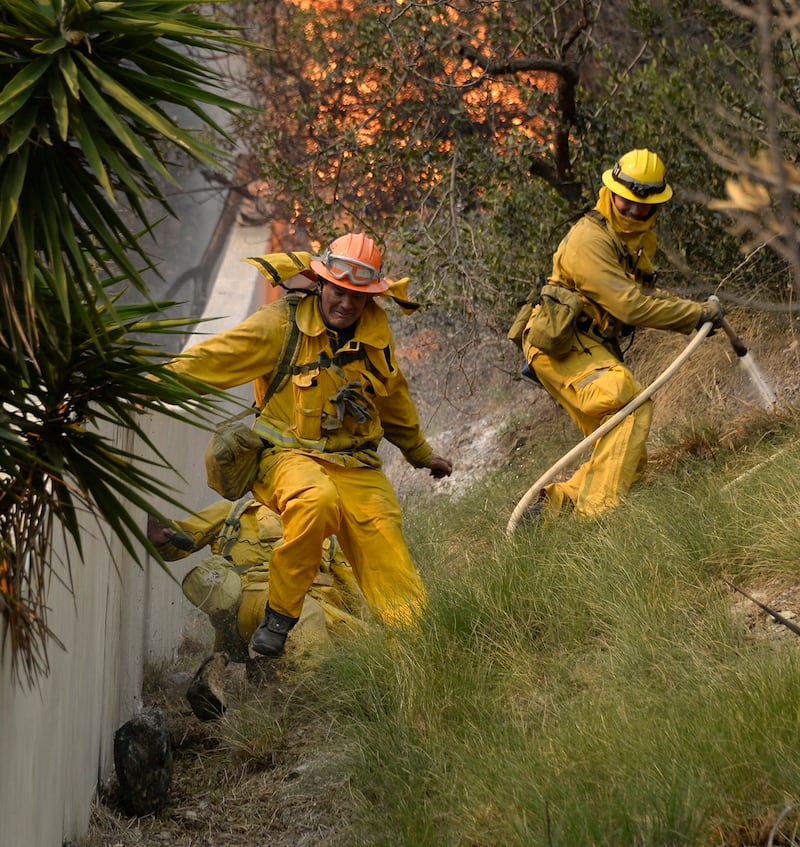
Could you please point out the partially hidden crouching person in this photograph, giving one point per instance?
(320, 470)
(232, 584)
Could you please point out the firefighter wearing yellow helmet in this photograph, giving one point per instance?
(604, 269)
(320, 470)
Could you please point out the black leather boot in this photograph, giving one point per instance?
(270, 637)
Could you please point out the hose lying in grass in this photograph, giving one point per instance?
(778, 617)
(533, 492)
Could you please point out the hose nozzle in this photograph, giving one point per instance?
(738, 345)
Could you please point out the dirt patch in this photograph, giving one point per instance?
(282, 793)
(472, 402)
(782, 596)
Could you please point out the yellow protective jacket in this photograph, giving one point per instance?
(337, 402)
(246, 532)
(613, 281)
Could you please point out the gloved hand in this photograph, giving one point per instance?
(712, 310)
(440, 467)
(161, 534)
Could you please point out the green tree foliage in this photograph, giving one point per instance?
(761, 153)
(446, 128)
(723, 77)
(470, 134)
(88, 90)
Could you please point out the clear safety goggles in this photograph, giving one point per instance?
(345, 267)
(638, 189)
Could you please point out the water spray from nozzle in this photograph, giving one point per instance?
(748, 364)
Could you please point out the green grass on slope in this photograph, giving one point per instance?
(588, 683)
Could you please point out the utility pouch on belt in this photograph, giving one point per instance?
(551, 327)
(232, 458)
(233, 454)
(524, 313)
(520, 322)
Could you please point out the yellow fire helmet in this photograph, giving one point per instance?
(639, 176)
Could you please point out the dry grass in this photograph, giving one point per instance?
(278, 792)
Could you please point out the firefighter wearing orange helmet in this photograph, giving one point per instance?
(606, 259)
(320, 469)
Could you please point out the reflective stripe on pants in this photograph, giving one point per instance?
(591, 384)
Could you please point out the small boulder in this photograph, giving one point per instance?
(143, 761)
(206, 692)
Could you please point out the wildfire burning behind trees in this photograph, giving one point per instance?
(379, 113)
(466, 134)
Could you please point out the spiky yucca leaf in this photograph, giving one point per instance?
(58, 464)
(88, 91)
(88, 95)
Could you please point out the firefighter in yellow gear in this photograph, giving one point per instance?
(607, 259)
(231, 586)
(320, 470)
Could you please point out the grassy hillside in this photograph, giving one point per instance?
(592, 682)
(584, 683)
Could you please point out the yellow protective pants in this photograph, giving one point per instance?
(592, 385)
(315, 499)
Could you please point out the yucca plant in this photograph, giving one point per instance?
(87, 94)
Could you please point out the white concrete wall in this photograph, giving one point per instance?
(56, 741)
